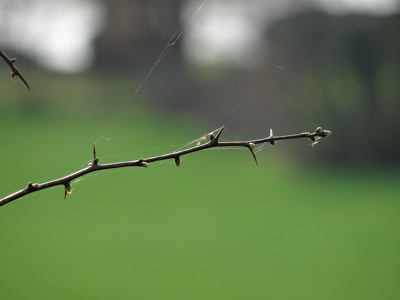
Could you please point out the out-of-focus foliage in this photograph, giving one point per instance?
(346, 69)
(343, 67)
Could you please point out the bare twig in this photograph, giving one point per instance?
(14, 70)
(144, 162)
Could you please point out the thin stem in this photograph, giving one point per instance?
(14, 70)
(144, 162)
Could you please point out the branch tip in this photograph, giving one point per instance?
(319, 133)
(322, 133)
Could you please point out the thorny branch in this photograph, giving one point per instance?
(144, 162)
(14, 71)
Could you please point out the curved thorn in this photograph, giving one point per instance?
(254, 155)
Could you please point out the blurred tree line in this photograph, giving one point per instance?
(345, 69)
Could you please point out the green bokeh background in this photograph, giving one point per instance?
(217, 227)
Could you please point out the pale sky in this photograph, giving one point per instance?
(235, 34)
(56, 34)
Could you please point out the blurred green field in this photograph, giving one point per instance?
(218, 227)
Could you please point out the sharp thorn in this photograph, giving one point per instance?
(23, 80)
(219, 132)
(254, 155)
(95, 159)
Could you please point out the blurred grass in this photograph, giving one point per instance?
(218, 227)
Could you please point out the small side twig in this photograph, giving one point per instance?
(14, 70)
(144, 162)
